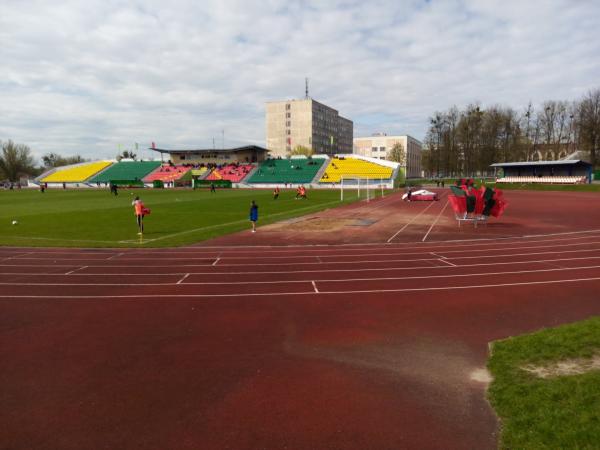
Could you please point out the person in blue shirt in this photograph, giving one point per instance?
(253, 215)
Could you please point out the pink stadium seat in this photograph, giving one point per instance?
(167, 173)
(231, 172)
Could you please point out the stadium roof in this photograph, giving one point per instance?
(210, 150)
(562, 162)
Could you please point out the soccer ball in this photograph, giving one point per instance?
(14, 222)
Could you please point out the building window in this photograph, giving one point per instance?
(288, 132)
(288, 106)
(288, 123)
(288, 115)
(382, 149)
(374, 149)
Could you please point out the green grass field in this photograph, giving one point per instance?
(94, 218)
(561, 412)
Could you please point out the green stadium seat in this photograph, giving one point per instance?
(295, 171)
(126, 171)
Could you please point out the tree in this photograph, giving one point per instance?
(51, 160)
(301, 150)
(589, 124)
(397, 153)
(126, 154)
(15, 161)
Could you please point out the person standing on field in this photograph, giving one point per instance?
(253, 215)
(139, 211)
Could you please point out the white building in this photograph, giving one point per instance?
(379, 144)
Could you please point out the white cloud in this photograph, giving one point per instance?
(84, 77)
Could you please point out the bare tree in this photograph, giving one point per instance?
(15, 161)
(51, 160)
(397, 153)
(302, 150)
(589, 124)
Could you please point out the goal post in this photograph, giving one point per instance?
(362, 186)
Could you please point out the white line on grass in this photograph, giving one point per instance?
(210, 227)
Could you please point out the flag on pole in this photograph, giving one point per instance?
(331, 140)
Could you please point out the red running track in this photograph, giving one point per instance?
(301, 347)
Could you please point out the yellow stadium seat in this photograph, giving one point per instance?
(352, 167)
(76, 174)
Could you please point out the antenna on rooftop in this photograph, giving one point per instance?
(306, 88)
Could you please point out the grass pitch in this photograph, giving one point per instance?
(94, 218)
(559, 412)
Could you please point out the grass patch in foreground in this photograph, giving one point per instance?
(94, 218)
(561, 412)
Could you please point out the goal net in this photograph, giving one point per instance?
(360, 186)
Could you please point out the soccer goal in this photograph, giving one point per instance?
(366, 187)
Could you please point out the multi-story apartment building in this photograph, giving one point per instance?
(378, 146)
(307, 123)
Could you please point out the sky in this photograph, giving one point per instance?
(97, 76)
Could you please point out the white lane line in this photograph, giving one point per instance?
(181, 280)
(407, 224)
(280, 272)
(140, 257)
(512, 255)
(438, 255)
(319, 259)
(216, 261)
(21, 255)
(74, 270)
(401, 246)
(311, 292)
(116, 255)
(435, 221)
(335, 280)
(315, 286)
(447, 262)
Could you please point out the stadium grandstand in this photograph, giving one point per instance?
(565, 171)
(76, 173)
(360, 167)
(231, 172)
(219, 156)
(294, 170)
(168, 173)
(200, 172)
(125, 172)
